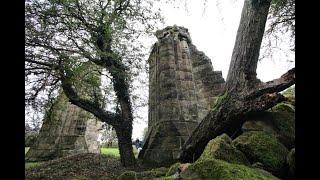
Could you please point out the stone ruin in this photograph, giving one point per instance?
(66, 130)
(183, 88)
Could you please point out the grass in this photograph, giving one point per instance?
(115, 151)
(26, 149)
(112, 151)
(29, 164)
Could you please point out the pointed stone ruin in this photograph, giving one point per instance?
(183, 88)
(66, 130)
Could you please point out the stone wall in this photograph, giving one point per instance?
(183, 87)
(66, 129)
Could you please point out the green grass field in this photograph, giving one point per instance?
(26, 149)
(112, 151)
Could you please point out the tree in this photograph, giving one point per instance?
(282, 14)
(243, 92)
(61, 35)
(280, 30)
(108, 136)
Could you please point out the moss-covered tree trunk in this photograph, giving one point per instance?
(125, 146)
(243, 92)
(123, 125)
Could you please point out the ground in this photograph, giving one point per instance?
(80, 167)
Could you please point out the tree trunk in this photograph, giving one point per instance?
(123, 125)
(243, 92)
(121, 121)
(125, 146)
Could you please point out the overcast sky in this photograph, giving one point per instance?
(213, 30)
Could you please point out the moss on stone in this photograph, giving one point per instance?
(279, 120)
(283, 119)
(220, 148)
(219, 99)
(164, 178)
(291, 160)
(152, 174)
(220, 170)
(173, 169)
(258, 146)
(163, 170)
(128, 175)
(284, 106)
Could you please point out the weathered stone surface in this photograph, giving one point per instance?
(291, 160)
(145, 175)
(258, 146)
(173, 169)
(221, 148)
(218, 169)
(182, 90)
(280, 121)
(66, 131)
(128, 175)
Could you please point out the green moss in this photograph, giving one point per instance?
(220, 148)
(173, 169)
(128, 175)
(291, 160)
(219, 100)
(258, 146)
(163, 170)
(152, 174)
(283, 106)
(221, 170)
(164, 178)
(283, 119)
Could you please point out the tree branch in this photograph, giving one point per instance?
(87, 105)
(276, 85)
(41, 63)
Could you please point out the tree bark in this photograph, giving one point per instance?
(125, 145)
(123, 125)
(243, 92)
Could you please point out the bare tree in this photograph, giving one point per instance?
(61, 35)
(243, 92)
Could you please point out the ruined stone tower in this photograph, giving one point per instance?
(66, 130)
(183, 87)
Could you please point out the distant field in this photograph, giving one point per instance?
(26, 149)
(31, 164)
(113, 151)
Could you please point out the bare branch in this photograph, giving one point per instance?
(276, 85)
(85, 104)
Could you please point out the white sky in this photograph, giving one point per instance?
(214, 33)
